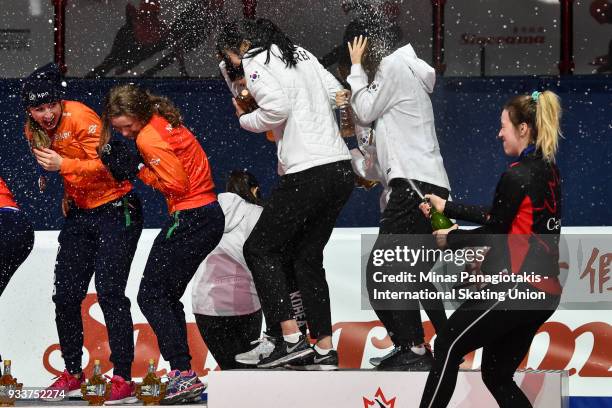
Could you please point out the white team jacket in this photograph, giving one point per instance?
(399, 104)
(223, 285)
(296, 104)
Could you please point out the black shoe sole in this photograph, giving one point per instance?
(287, 359)
(420, 366)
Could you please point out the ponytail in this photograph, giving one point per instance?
(548, 115)
(541, 111)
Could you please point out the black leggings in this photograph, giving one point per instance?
(402, 216)
(300, 214)
(504, 329)
(16, 242)
(226, 336)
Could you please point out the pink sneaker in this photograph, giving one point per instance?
(122, 392)
(65, 386)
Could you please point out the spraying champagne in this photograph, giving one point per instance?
(438, 220)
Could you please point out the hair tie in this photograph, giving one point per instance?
(535, 96)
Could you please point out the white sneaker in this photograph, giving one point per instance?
(264, 347)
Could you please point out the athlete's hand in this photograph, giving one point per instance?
(441, 236)
(343, 97)
(239, 110)
(48, 159)
(357, 49)
(438, 203)
(425, 209)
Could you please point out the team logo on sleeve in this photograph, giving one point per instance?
(169, 128)
(92, 129)
(155, 161)
(373, 87)
(255, 76)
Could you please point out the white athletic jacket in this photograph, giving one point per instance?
(223, 285)
(398, 102)
(296, 104)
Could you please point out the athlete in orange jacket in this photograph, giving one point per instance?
(16, 236)
(100, 233)
(176, 165)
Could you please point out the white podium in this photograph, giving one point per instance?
(364, 389)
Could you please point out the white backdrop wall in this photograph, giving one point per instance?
(577, 341)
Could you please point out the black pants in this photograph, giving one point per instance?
(504, 330)
(16, 243)
(300, 213)
(183, 243)
(99, 242)
(403, 216)
(295, 297)
(226, 336)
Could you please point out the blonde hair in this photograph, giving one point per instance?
(131, 100)
(542, 113)
(40, 138)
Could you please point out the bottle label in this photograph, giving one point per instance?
(7, 391)
(98, 390)
(150, 390)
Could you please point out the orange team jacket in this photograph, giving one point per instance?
(86, 180)
(176, 165)
(6, 198)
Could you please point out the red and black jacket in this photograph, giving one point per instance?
(523, 224)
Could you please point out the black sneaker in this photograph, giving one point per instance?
(407, 360)
(287, 353)
(375, 361)
(317, 362)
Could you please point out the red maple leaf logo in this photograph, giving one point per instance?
(380, 401)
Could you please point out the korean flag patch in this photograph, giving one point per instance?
(254, 76)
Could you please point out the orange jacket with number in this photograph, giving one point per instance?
(175, 164)
(6, 198)
(86, 180)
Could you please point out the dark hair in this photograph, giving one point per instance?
(240, 182)
(542, 114)
(373, 55)
(133, 101)
(261, 34)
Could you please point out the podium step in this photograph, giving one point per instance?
(365, 388)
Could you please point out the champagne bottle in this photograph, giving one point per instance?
(8, 386)
(345, 115)
(96, 390)
(438, 220)
(364, 183)
(246, 101)
(347, 124)
(151, 391)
